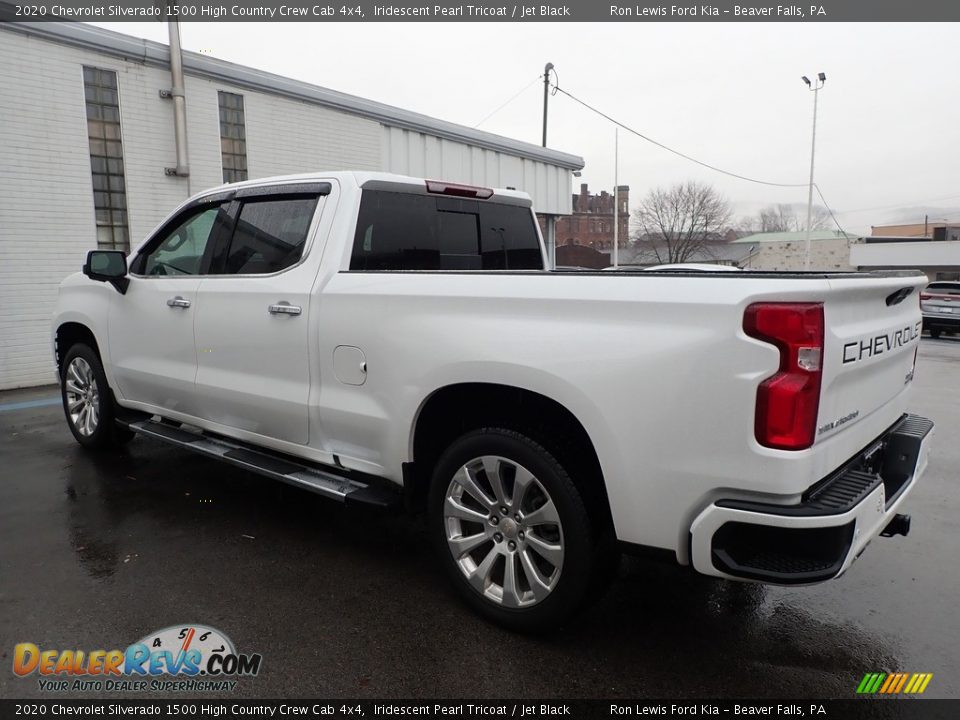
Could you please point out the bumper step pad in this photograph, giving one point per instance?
(798, 555)
(889, 460)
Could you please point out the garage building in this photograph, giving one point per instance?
(89, 156)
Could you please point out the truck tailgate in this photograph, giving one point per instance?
(871, 337)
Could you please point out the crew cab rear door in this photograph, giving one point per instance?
(253, 314)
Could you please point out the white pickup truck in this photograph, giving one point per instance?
(388, 340)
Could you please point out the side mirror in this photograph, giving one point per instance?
(108, 266)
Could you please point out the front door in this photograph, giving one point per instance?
(151, 327)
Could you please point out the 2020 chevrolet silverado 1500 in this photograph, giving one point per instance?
(373, 337)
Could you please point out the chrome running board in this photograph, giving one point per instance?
(279, 467)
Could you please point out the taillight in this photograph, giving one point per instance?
(788, 402)
(924, 296)
(467, 191)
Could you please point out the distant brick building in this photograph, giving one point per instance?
(591, 223)
(949, 231)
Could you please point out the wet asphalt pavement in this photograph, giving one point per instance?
(97, 551)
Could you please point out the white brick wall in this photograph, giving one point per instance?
(283, 134)
(420, 155)
(46, 199)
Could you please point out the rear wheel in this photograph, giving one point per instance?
(87, 401)
(512, 530)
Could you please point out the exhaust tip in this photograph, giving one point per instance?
(900, 525)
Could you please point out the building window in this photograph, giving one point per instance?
(106, 158)
(233, 137)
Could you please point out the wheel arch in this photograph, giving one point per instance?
(69, 334)
(453, 410)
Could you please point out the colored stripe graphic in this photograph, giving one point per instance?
(894, 683)
(903, 681)
(868, 682)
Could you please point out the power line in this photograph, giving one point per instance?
(649, 139)
(677, 152)
(512, 98)
(832, 216)
(901, 205)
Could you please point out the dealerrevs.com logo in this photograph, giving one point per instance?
(184, 658)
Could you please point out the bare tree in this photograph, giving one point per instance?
(820, 219)
(679, 223)
(788, 218)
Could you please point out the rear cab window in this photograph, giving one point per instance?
(269, 235)
(405, 231)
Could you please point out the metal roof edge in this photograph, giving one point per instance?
(157, 54)
(795, 236)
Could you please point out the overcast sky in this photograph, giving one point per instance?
(730, 94)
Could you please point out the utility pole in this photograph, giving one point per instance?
(546, 94)
(616, 198)
(815, 87)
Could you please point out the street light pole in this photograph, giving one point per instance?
(616, 195)
(546, 94)
(815, 87)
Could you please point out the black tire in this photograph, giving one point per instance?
(935, 333)
(577, 579)
(105, 433)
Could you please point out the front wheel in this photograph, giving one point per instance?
(87, 402)
(512, 530)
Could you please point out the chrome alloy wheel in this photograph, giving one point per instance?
(503, 531)
(83, 397)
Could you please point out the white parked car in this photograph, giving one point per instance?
(696, 267)
(377, 339)
(940, 305)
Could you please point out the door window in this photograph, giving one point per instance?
(270, 235)
(181, 250)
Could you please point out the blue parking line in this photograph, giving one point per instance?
(43, 402)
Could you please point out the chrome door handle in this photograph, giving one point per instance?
(284, 308)
(178, 302)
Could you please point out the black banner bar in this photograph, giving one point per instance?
(177, 707)
(620, 11)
